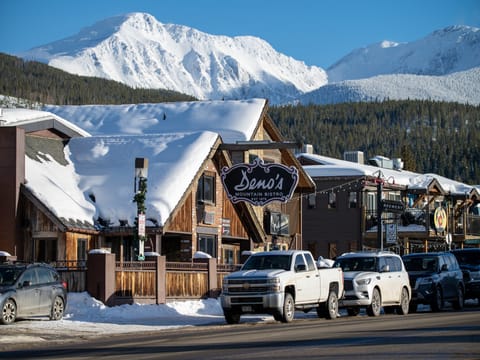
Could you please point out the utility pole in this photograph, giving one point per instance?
(379, 213)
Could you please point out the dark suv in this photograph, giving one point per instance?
(28, 290)
(469, 261)
(435, 278)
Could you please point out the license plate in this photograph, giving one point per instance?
(246, 308)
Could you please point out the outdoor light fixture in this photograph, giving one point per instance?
(141, 172)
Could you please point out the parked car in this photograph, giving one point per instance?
(435, 278)
(469, 261)
(373, 280)
(29, 290)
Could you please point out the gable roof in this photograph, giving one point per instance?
(82, 189)
(36, 120)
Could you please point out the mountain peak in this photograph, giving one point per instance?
(140, 51)
(445, 51)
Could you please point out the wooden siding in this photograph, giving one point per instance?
(135, 283)
(237, 228)
(182, 219)
(186, 284)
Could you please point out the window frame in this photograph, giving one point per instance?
(205, 180)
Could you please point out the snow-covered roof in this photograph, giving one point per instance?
(98, 180)
(328, 167)
(26, 118)
(233, 120)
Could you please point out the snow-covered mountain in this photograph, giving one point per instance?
(453, 49)
(462, 87)
(139, 51)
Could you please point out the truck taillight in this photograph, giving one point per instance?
(65, 285)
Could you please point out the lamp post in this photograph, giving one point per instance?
(141, 172)
(379, 182)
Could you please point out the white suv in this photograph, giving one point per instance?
(374, 280)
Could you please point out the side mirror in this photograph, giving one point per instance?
(26, 283)
(444, 267)
(300, 267)
(385, 268)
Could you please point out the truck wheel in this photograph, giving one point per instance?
(329, 309)
(376, 305)
(288, 308)
(231, 317)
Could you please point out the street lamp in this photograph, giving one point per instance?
(141, 172)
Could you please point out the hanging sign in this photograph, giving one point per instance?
(141, 224)
(391, 233)
(259, 183)
(440, 219)
(392, 206)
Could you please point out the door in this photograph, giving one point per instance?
(27, 293)
(391, 280)
(45, 289)
(306, 281)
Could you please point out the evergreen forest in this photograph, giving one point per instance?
(430, 137)
(38, 82)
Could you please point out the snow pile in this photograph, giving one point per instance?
(83, 308)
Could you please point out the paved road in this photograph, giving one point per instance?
(444, 335)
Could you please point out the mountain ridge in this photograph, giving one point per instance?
(138, 50)
(143, 52)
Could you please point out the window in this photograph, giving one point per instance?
(206, 189)
(45, 276)
(230, 256)
(310, 262)
(300, 261)
(312, 201)
(352, 200)
(207, 244)
(82, 249)
(332, 200)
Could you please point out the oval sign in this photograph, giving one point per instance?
(259, 183)
(440, 219)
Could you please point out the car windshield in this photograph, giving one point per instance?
(357, 264)
(421, 263)
(264, 262)
(8, 275)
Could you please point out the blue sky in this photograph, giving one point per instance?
(318, 32)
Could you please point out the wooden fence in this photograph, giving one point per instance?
(118, 282)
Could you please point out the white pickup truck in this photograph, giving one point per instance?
(278, 283)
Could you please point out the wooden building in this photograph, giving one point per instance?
(61, 218)
(28, 229)
(343, 214)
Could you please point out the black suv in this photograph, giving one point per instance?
(435, 278)
(469, 261)
(28, 290)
